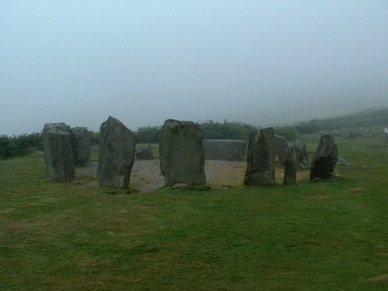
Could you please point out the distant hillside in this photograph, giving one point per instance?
(367, 117)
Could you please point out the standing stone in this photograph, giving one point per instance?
(300, 153)
(116, 155)
(289, 168)
(261, 158)
(144, 153)
(281, 148)
(324, 159)
(81, 146)
(58, 152)
(182, 157)
(225, 150)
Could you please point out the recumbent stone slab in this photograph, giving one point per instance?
(181, 151)
(116, 155)
(145, 153)
(225, 150)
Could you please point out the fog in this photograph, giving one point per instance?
(258, 62)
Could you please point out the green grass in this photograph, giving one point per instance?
(312, 236)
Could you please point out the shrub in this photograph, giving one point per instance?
(287, 131)
(20, 145)
(149, 134)
(94, 137)
(226, 130)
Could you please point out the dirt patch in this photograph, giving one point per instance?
(358, 189)
(146, 176)
(383, 277)
(383, 254)
(319, 197)
(224, 174)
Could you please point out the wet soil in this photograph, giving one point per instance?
(146, 175)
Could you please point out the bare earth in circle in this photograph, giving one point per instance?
(146, 176)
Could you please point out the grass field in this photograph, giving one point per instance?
(329, 235)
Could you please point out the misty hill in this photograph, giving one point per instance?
(365, 118)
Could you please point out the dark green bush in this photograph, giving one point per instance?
(308, 127)
(94, 137)
(287, 131)
(20, 145)
(226, 130)
(209, 128)
(7, 147)
(149, 134)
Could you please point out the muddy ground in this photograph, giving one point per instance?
(146, 176)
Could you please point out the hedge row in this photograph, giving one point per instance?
(14, 146)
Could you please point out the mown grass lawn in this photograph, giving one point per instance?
(329, 235)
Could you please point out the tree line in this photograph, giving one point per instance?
(13, 146)
(216, 130)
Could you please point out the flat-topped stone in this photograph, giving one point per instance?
(144, 153)
(181, 152)
(224, 149)
(58, 150)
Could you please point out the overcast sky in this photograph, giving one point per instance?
(259, 62)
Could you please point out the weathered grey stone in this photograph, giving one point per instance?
(261, 158)
(81, 146)
(58, 152)
(145, 153)
(289, 167)
(342, 161)
(181, 152)
(226, 150)
(324, 159)
(116, 154)
(300, 153)
(122, 175)
(38, 154)
(281, 148)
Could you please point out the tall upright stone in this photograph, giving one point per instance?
(289, 167)
(181, 152)
(324, 159)
(281, 148)
(261, 158)
(58, 151)
(300, 153)
(81, 146)
(116, 155)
